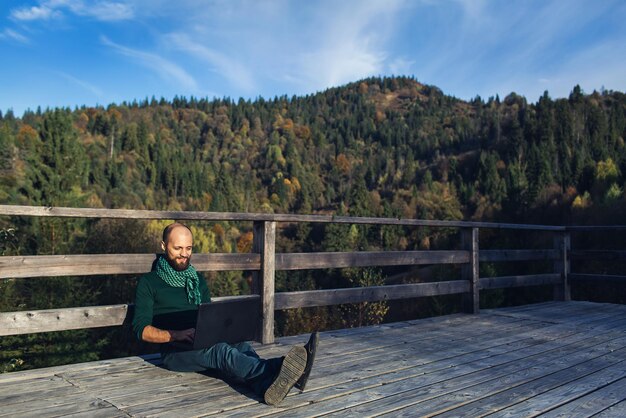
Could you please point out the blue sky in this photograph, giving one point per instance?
(97, 52)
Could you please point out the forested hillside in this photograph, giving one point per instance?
(382, 147)
(387, 147)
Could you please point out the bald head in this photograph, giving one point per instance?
(168, 230)
(177, 244)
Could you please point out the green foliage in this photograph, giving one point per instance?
(364, 313)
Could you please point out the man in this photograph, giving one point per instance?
(166, 306)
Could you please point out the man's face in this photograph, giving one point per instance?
(178, 248)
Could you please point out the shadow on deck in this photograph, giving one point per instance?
(550, 359)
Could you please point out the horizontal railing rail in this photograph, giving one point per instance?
(64, 212)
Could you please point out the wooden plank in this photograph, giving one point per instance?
(210, 393)
(118, 378)
(597, 278)
(595, 228)
(66, 212)
(35, 404)
(469, 271)
(523, 308)
(265, 244)
(517, 255)
(86, 406)
(449, 224)
(535, 396)
(547, 310)
(615, 411)
(608, 255)
(161, 385)
(41, 211)
(518, 281)
(562, 266)
(290, 300)
(571, 313)
(99, 412)
(583, 397)
(107, 264)
(302, 261)
(27, 322)
(47, 320)
(63, 389)
(15, 377)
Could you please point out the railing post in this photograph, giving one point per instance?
(562, 245)
(263, 282)
(469, 271)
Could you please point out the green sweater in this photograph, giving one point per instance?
(163, 306)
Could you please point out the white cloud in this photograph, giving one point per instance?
(85, 85)
(102, 10)
(34, 13)
(11, 34)
(400, 66)
(352, 44)
(227, 67)
(165, 68)
(474, 10)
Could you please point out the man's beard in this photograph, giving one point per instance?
(177, 263)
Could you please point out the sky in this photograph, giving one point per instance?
(57, 53)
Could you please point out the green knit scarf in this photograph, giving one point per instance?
(187, 278)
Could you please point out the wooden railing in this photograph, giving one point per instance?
(263, 261)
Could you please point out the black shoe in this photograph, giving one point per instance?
(310, 348)
(291, 370)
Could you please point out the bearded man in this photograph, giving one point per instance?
(166, 306)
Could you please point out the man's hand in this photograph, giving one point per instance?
(155, 335)
(186, 335)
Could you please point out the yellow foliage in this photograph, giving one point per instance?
(114, 114)
(174, 204)
(219, 230)
(288, 125)
(203, 240)
(581, 202)
(278, 122)
(244, 243)
(343, 164)
(27, 134)
(155, 229)
(606, 170)
(93, 201)
(302, 131)
(295, 184)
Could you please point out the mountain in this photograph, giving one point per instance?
(387, 147)
(379, 147)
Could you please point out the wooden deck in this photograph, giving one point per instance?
(551, 359)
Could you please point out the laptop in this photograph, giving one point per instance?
(225, 321)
